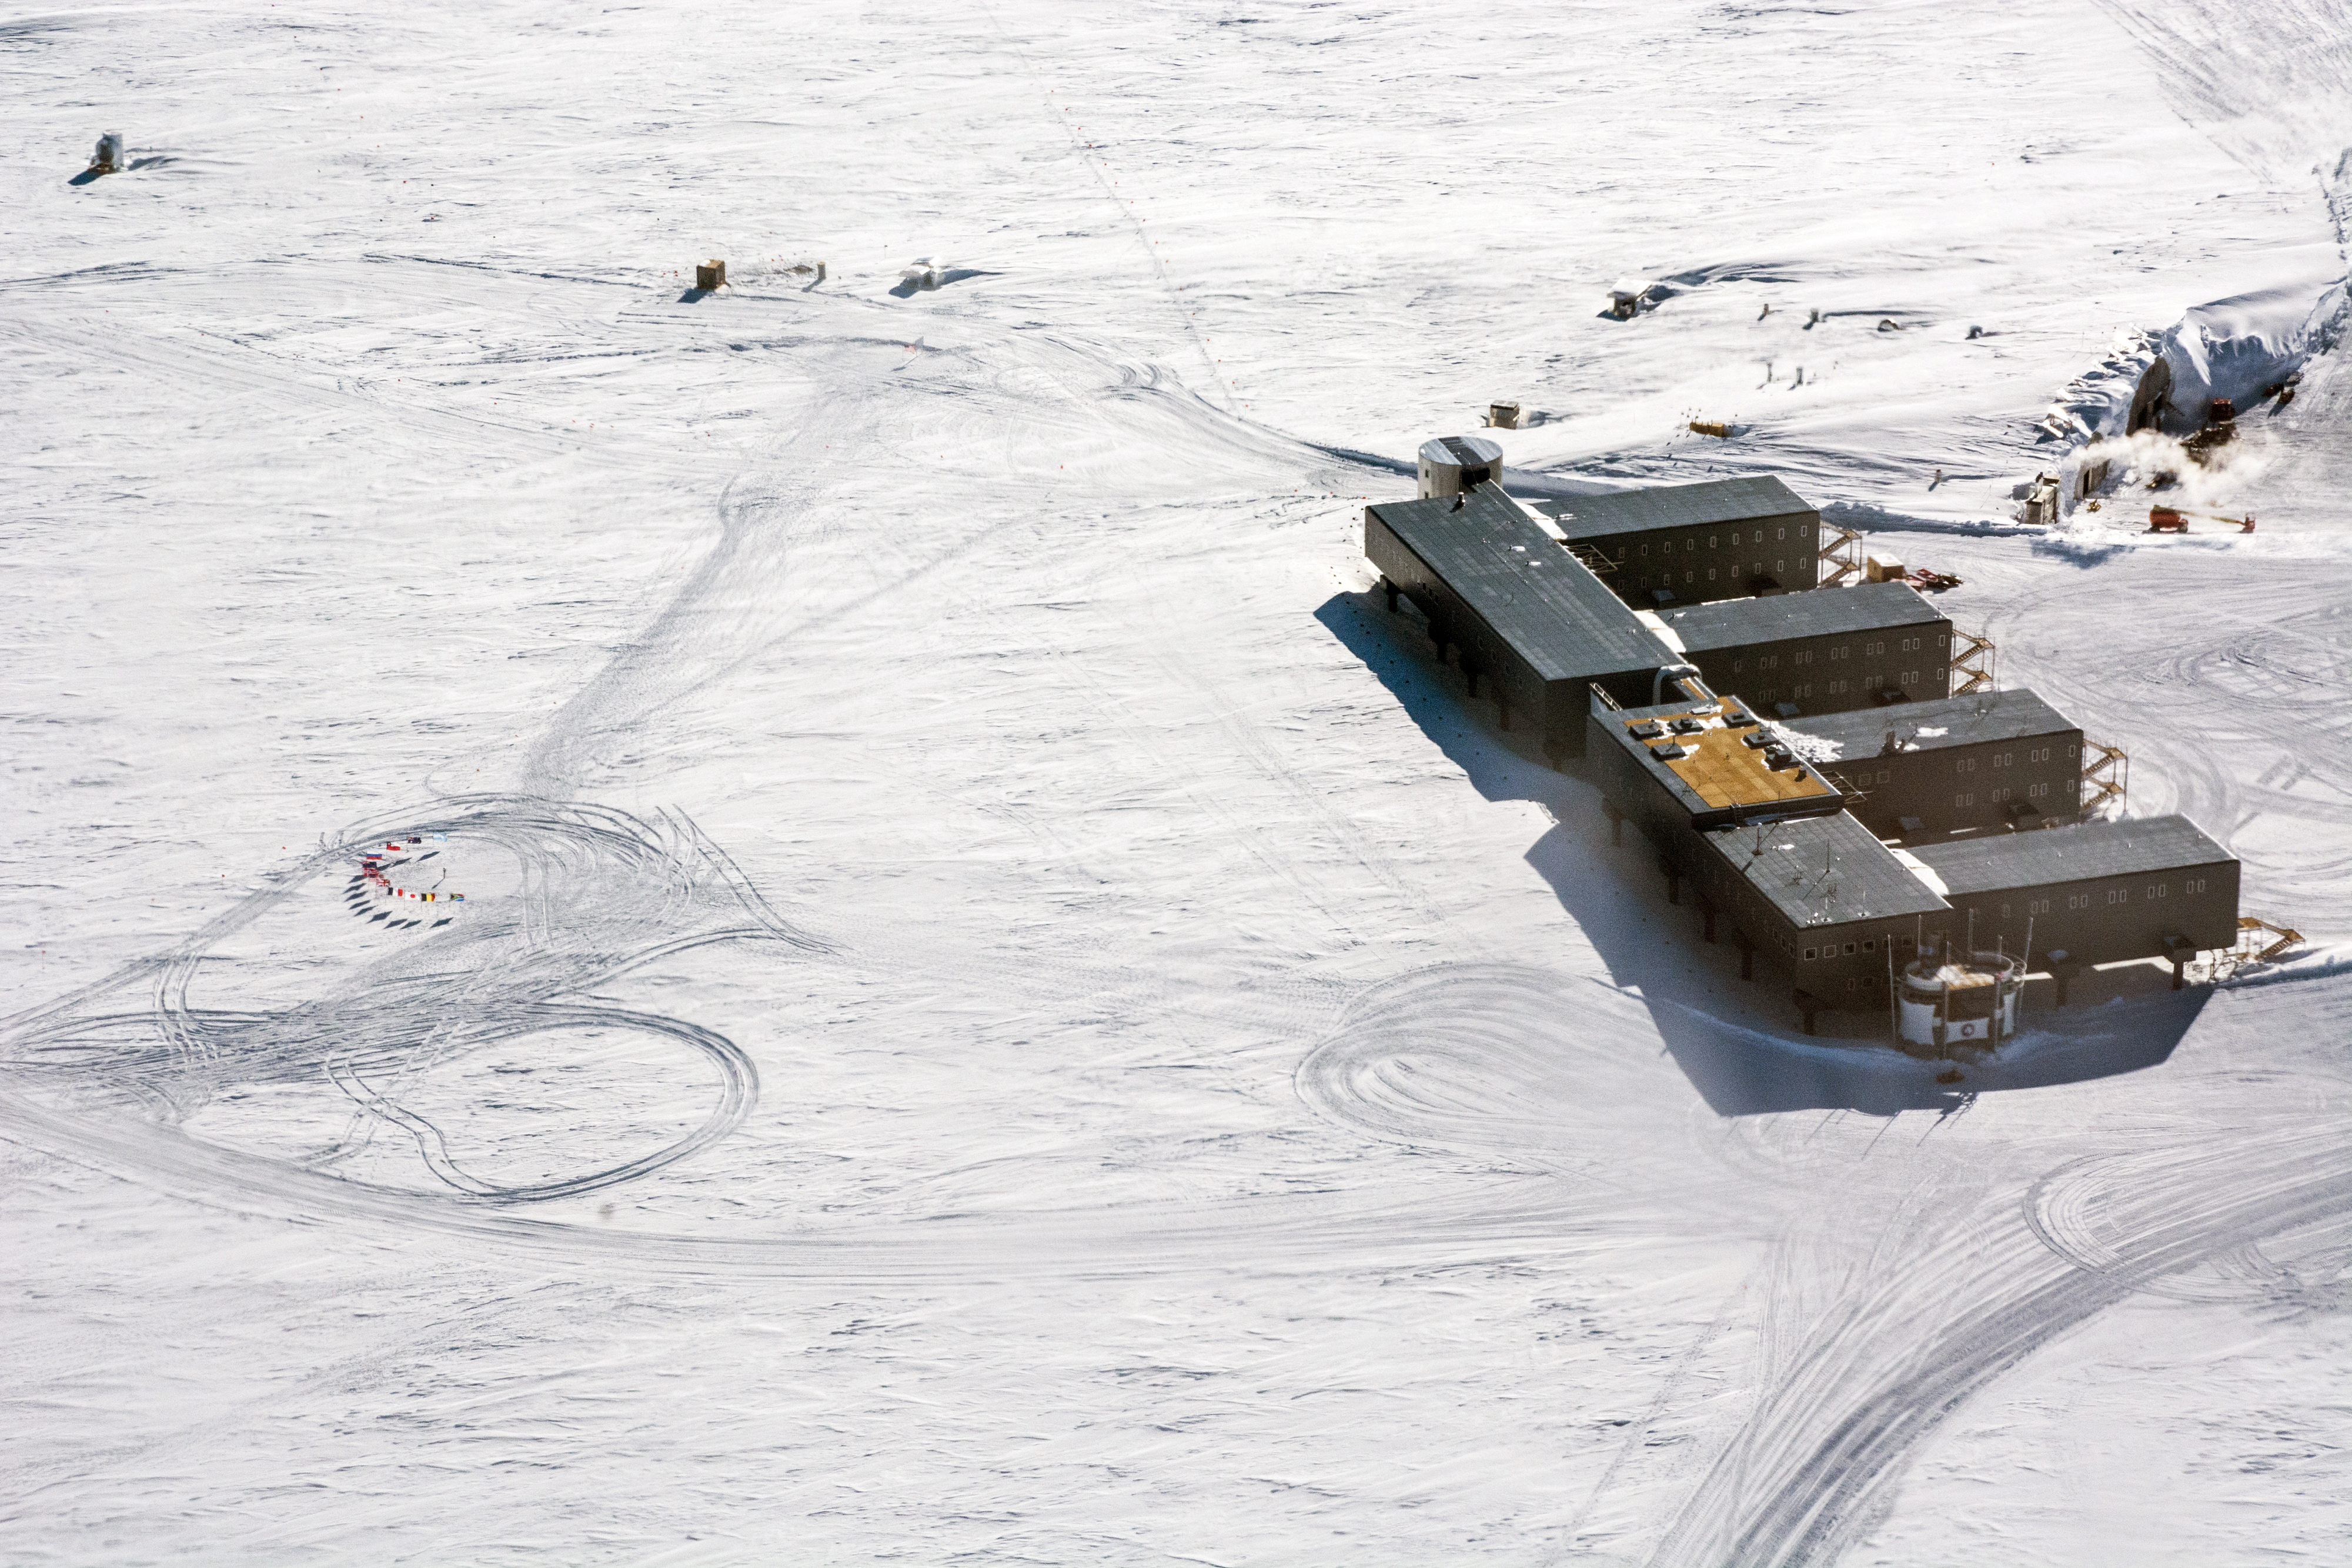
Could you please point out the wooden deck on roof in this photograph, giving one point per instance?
(1726, 771)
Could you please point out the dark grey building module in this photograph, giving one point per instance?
(1531, 623)
(1986, 762)
(1687, 544)
(1825, 652)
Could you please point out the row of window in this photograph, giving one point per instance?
(2189, 888)
(1798, 690)
(1666, 579)
(1806, 655)
(1666, 547)
(2005, 758)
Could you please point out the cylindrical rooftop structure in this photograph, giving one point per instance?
(1453, 464)
(1951, 998)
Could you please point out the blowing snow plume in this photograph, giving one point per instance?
(2206, 478)
(2242, 348)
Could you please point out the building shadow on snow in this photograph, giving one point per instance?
(1740, 1042)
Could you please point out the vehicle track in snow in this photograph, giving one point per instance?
(601, 891)
(1969, 1275)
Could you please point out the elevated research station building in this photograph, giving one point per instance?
(1795, 754)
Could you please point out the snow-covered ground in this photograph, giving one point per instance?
(1003, 1011)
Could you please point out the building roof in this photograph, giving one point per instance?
(1708, 766)
(1824, 870)
(2079, 854)
(1822, 612)
(1677, 507)
(1461, 452)
(1537, 597)
(1971, 720)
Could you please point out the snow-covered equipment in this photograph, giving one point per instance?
(1503, 415)
(1451, 465)
(109, 158)
(929, 272)
(2041, 502)
(711, 275)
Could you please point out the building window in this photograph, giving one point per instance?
(1869, 946)
(1780, 533)
(2194, 884)
(1883, 776)
(1965, 765)
(1810, 953)
(1964, 801)
(2036, 790)
(2119, 895)
(2078, 900)
(1710, 541)
(2157, 890)
(1759, 535)
(1849, 949)
(2039, 906)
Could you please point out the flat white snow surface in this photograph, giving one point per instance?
(1004, 1011)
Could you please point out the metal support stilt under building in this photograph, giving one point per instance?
(1807, 1004)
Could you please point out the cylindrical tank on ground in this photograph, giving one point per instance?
(1943, 999)
(1453, 464)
